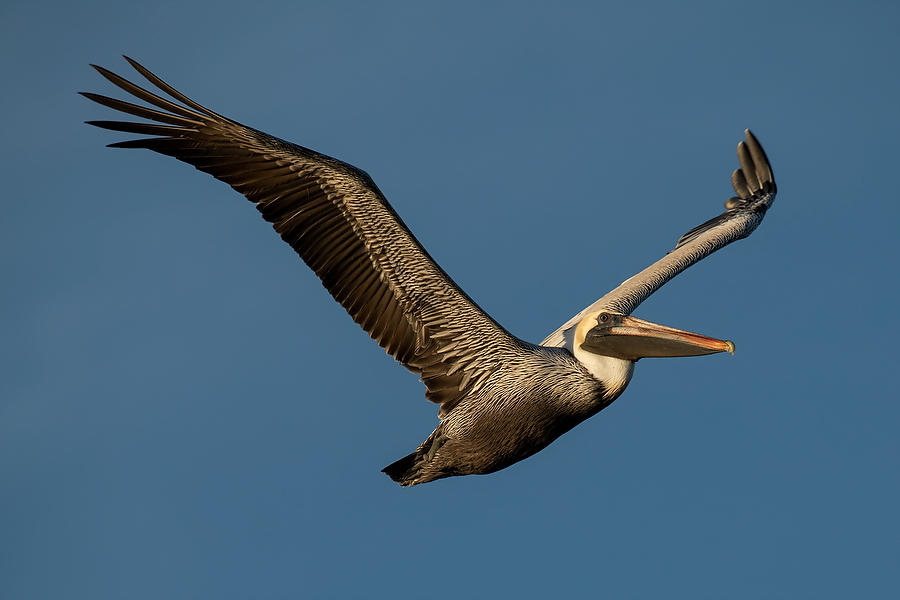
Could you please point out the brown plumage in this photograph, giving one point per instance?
(501, 399)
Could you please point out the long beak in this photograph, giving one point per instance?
(632, 338)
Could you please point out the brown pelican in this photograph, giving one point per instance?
(501, 399)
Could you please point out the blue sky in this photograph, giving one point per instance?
(185, 412)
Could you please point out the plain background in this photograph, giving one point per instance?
(186, 413)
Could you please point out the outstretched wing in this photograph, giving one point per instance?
(340, 224)
(755, 188)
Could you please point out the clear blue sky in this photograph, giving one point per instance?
(186, 413)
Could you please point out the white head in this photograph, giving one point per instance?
(608, 344)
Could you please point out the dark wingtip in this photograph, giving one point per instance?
(131, 61)
(92, 96)
(748, 135)
(755, 174)
(106, 73)
(753, 184)
(760, 161)
(739, 184)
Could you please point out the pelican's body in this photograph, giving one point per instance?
(502, 399)
(537, 396)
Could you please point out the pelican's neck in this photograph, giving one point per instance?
(613, 373)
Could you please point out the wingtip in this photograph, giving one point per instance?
(751, 138)
(104, 71)
(761, 162)
(739, 183)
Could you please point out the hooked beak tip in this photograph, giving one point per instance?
(729, 346)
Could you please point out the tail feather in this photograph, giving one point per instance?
(404, 471)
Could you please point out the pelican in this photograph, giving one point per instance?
(501, 399)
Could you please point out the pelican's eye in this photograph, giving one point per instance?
(603, 318)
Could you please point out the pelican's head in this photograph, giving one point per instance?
(608, 344)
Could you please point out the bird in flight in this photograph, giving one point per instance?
(501, 398)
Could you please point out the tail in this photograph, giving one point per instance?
(419, 467)
(405, 470)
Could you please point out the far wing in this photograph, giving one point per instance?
(755, 188)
